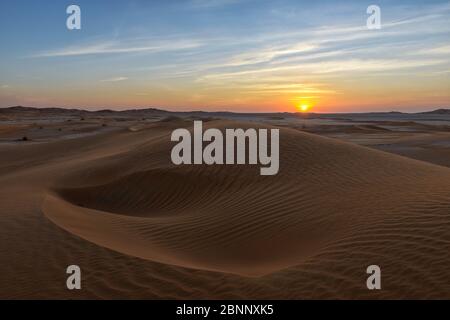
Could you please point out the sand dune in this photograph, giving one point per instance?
(224, 231)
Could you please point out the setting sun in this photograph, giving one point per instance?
(303, 107)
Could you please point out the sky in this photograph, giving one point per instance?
(226, 55)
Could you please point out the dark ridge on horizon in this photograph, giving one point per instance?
(62, 109)
(153, 110)
(437, 111)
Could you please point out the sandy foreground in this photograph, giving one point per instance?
(101, 192)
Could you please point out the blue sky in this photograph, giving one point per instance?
(248, 55)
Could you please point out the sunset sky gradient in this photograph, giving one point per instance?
(247, 55)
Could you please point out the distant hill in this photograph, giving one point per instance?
(31, 111)
(64, 111)
(438, 111)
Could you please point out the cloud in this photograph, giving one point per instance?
(5, 86)
(114, 47)
(116, 79)
(326, 41)
(329, 67)
(268, 54)
(201, 4)
(293, 88)
(442, 50)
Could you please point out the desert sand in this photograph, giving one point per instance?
(100, 191)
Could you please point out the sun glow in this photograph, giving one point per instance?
(304, 107)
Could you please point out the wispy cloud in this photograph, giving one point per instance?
(115, 47)
(199, 4)
(116, 79)
(329, 67)
(270, 53)
(293, 88)
(441, 50)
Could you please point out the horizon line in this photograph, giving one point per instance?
(223, 111)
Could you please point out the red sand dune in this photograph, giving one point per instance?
(140, 227)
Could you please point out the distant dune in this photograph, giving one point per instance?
(438, 111)
(152, 110)
(153, 230)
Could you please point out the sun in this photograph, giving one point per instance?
(303, 107)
